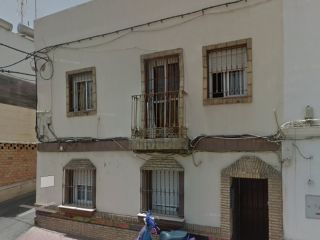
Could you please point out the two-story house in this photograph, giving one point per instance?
(17, 115)
(168, 106)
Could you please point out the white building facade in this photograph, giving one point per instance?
(301, 163)
(165, 110)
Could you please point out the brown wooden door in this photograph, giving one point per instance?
(249, 199)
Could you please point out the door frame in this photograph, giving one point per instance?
(252, 167)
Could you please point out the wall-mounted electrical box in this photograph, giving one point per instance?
(313, 206)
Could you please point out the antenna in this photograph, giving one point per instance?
(35, 9)
(21, 9)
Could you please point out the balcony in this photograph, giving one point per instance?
(157, 122)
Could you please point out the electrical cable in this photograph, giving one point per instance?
(131, 28)
(195, 141)
(37, 127)
(16, 77)
(15, 63)
(16, 72)
(29, 55)
(301, 154)
(21, 51)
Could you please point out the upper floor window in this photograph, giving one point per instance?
(228, 76)
(161, 104)
(79, 184)
(81, 92)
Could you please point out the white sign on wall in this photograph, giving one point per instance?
(313, 206)
(46, 181)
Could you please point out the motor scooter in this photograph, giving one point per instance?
(151, 228)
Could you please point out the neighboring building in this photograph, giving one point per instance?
(214, 76)
(301, 154)
(18, 113)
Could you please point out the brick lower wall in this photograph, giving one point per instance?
(92, 231)
(18, 163)
(110, 226)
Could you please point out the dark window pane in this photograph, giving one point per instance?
(217, 85)
(159, 78)
(173, 77)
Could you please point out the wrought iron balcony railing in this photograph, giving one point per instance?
(157, 115)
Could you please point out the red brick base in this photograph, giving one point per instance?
(92, 231)
(18, 163)
(109, 226)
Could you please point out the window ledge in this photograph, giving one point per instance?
(77, 208)
(227, 100)
(82, 113)
(165, 218)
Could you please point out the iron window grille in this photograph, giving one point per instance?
(227, 75)
(79, 186)
(158, 111)
(163, 192)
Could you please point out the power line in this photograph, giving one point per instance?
(15, 63)
(131, 28)
(15, 49)
(19, 78)
(31, 54)
(15, 72)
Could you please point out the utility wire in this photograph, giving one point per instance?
(22, 51)
(131, 28)
(19, 78)
(15, 63)
(310, 157)
(15, 72)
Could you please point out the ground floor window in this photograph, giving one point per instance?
(79, 184)
(163, 192)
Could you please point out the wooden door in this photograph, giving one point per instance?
(249, 198)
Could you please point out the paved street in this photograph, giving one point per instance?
(15, 220)
(18, 223)
(36, 233)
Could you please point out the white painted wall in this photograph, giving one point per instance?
(118, 62)
(301, 58)
(301, 85)
(8, 56)
(296, 173)
(118, 181)
(118, 74)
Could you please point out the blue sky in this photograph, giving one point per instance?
(9, 9)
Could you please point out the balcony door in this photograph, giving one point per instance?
(162, 97)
